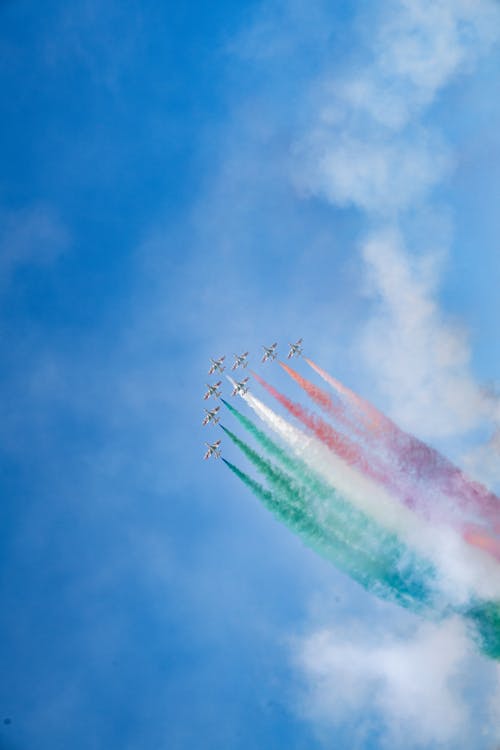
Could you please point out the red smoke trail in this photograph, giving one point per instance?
(409, 495)
(392, 479)
(323, 399)
(476, 535)
(342, 446)
(371, 416)
(420, 461)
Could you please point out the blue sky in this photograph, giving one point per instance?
(163, 199)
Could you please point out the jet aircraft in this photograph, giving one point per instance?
(269, 352)
(216, 364)
(240, 388)
(211, 416)
(212, 450)
(213, 390)
(295, 349)
(240, 360)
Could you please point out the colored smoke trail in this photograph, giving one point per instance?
(381, 472)
(420, 461)
(463, 571)
(338, 510)
(380, 576)
(342, 446)
(294, 465)
(477, 536)
(292, 515)
(411, 494)
(335, 409)
(483, 616)
(372, 417)
(468, 581)
(280, 481)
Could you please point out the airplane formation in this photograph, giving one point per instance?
(240, 388)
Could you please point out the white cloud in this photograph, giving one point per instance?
(423, 45)
(421, 358)
(415, 685)
(375, 173)
(368, 144)
(364, 144)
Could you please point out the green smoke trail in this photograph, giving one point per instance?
(312, 534)
(292, 516)
(338, 514)
(320, 490)
(389, 573)
(294, 465)
(291, 506)
(485, 618)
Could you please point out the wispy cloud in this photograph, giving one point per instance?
(420, 356)
(369, 144)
